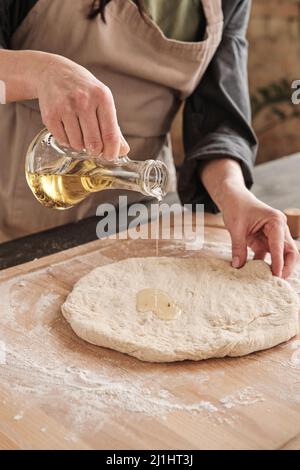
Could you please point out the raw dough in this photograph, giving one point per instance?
(225, 312)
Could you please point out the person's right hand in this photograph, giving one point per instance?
(79, 110)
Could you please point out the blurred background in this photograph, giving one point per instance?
(274, 63)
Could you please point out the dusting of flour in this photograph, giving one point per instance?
(244, 397)
(95, 386)
(86, 386)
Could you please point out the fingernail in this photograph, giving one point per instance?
(235, 262)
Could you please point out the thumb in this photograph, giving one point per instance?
(239, 249)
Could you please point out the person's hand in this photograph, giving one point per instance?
(78, 109)
(253, 223)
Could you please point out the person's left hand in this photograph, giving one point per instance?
(264, 229)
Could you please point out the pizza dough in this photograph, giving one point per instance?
(224, 311)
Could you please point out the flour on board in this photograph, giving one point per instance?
(45, 363)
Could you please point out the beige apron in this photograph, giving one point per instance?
(148, 74)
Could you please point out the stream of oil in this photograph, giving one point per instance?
(156, 306)
(156, 300)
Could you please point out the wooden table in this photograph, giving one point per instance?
(58, 392)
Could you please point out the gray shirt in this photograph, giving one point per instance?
(217, 116)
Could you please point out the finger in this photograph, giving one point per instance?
(275, 236)
(58, 131)
(290, 260)
(91, 133)
(239, 249)
(124, 147)
(291, 255)
(73, 131)
(109, 127)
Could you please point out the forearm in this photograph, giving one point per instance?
(223, 179)
(20, 70)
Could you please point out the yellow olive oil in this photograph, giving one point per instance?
(65, 190)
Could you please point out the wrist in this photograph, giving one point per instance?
(231, 191)
(223, 179)
(22, 72)
(43, 62)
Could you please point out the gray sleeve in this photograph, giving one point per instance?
(12, 13)
(217, 116)
(4, 21)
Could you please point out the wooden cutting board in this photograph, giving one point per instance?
(58, 392)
